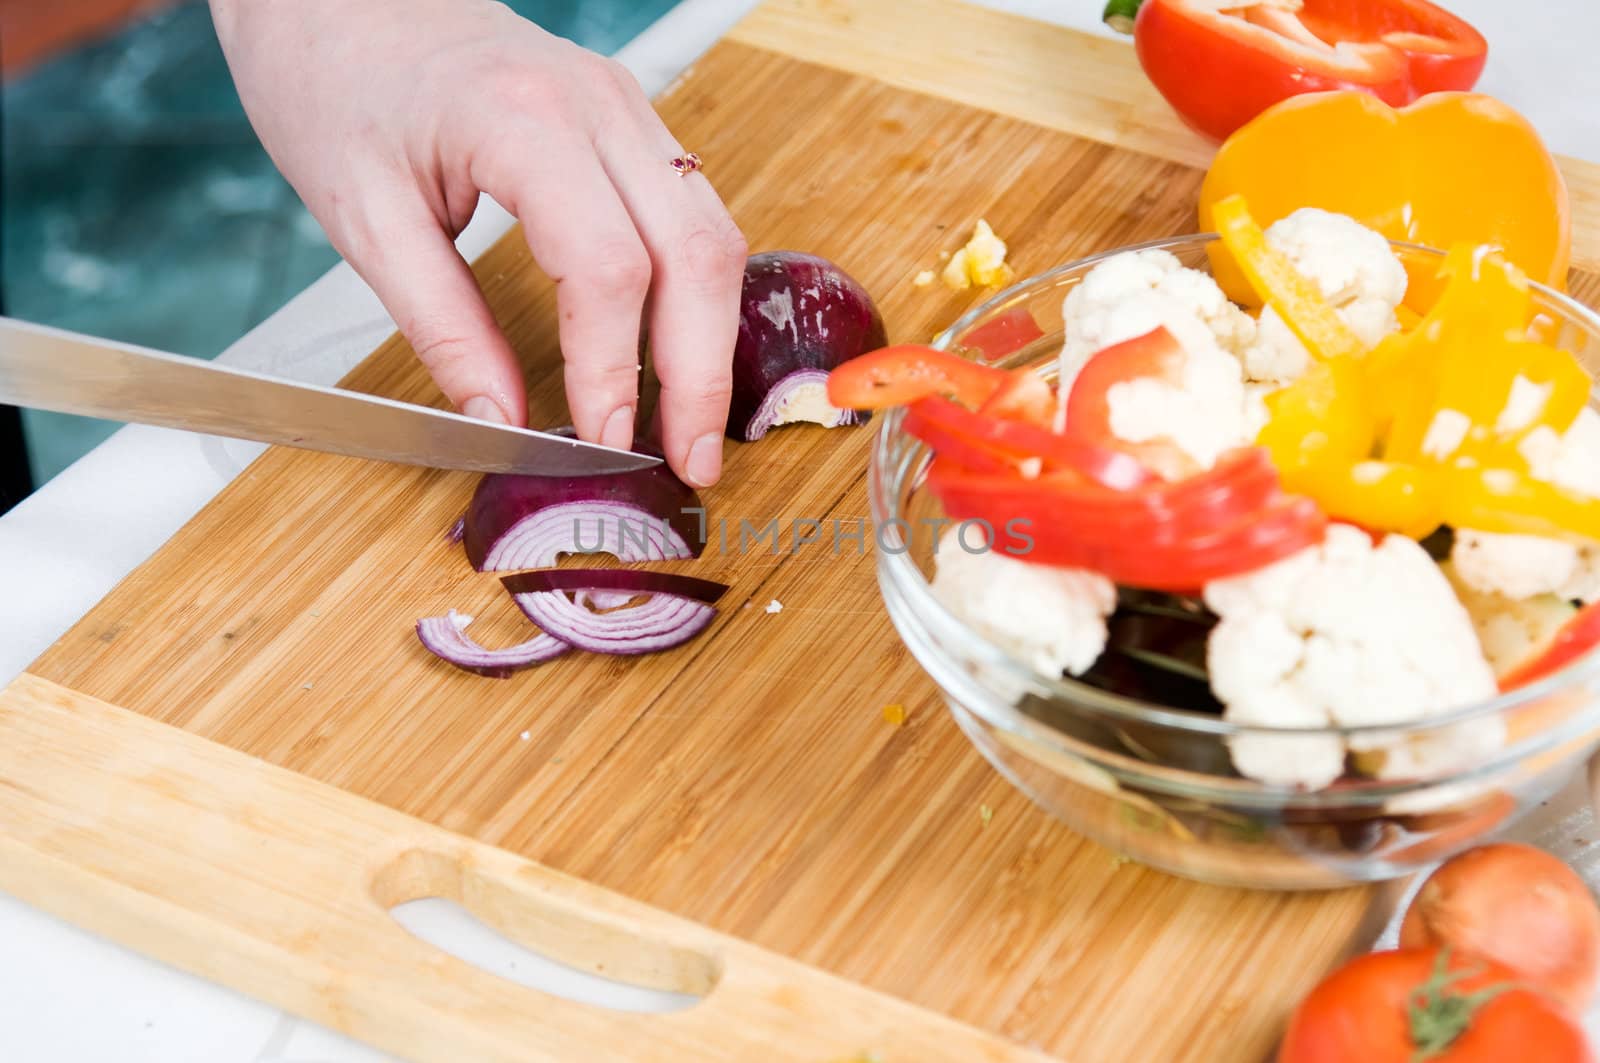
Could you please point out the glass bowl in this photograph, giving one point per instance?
(1156, 783)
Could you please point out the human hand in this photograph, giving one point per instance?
(390, 116)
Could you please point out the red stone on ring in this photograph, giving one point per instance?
(686, 164)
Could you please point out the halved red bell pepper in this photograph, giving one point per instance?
(1219, 63)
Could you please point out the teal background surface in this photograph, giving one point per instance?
(137, 204)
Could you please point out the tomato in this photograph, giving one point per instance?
(1413, 1005)
(897, 376)
(1155, 355)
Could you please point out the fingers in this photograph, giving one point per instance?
(697, 256)
(582, 237)
(430, 292)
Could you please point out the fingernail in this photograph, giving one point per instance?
(618, 431)
(705, 460)
(484, 408)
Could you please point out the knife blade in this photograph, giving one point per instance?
(52, 369)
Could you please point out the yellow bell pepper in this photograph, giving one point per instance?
(1504, 500)
(1378, 495)
(1451, 168)
(1278, 284)
(1465, 383)
(1321, 418)
(1320, 433)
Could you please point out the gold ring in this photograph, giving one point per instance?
(686, 164)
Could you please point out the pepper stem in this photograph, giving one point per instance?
(1119, 14)
(1436, 1015)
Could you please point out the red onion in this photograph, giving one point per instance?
(446, 637)
(677, 610)
(799, 317)
(634, 581)
(531, 521)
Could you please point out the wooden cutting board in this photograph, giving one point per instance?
(200, 768)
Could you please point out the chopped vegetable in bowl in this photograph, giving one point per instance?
(1308, 543)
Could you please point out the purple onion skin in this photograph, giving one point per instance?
(798, 312)
(503, 499)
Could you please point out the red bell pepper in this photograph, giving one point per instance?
(900, 375)
(1219, 63)
(1156, 354)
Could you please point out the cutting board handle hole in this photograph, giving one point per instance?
(508, 922)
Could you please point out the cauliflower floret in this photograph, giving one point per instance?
(1203, 416)
(1346, 634)
(1131, 293)
(1356, 271)
(1510, 630)
(981, 262)
(1256, 414)
(1052, 618)
(1521, 566)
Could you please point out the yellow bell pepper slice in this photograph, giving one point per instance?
(1322, 417)
(1278, 284)
(1465, 382)
(1378, 495)
(1511, 502)
(1320, 434)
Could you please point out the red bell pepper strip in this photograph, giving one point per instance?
(1068, 507)
(1156, 354)
(1221, 64)
(1577, 637)
(966, 435)
(900, 375)
(1171, 561)
(1004, 335)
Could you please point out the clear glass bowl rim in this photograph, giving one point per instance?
(897, 565)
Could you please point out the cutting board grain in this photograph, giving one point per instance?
(245, 872)
(749, 781)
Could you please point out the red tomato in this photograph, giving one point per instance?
(898, 376)
(1220, 66)
(1408, 1005)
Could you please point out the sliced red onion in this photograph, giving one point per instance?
(457, 532)
(446, 638)
(677, 610)
(634, 581)
(531, 521)
(799, 317)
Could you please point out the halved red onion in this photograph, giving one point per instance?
(677, 610)
(446, 638)
(531, 521)
(799, 317)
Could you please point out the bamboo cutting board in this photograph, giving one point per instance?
(241, 757)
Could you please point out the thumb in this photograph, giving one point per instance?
(429, 290)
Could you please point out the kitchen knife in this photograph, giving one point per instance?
(50, 369)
